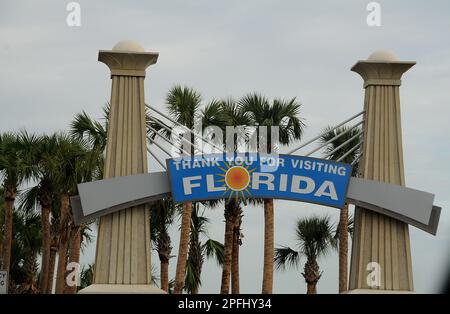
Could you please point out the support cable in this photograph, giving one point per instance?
(157, 159)
(343, 144)
(166, 140)
(184, 127)
(350, 151)
(159, 146)
(334, 138)
(169, 130)
(319, 136)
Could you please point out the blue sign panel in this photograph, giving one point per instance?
(241, 176)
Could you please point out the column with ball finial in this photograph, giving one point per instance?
(377, 238)
(123, 263)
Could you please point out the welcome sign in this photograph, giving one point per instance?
(293, 177)
(241, 176)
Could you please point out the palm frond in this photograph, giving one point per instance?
(87, 276)
(86, 237)
(286, 257)
(315, 236)
(214, 249)
(83, 127)
(192, 278)
(282, 113)
(329, 134)
(29, 199)
(213, 115)
(183, 104)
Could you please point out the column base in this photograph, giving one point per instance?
(376, 291)
(121, 289)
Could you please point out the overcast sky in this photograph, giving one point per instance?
(305, 49)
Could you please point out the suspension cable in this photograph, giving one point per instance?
(159, 146)
(343, 144)
(334, 138)
(350, 151)
(184, 127)
(356, 160)
(157, 159)
(320, 135)
(160, 123)
(167, 140)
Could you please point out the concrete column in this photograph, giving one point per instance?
(378, 238)
(122, 263)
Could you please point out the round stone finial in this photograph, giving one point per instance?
(128, 45)
(383, 55)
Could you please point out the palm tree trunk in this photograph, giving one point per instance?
(74, 256)
(312, 275)
(235, 258)
(63, 246)
(267, 284)
(10, 196)
(343, 248)
(311, 288)
(33, 268)
(165, 275)
(228, 247)
(164, 249)
(195, 261)
(30, 266)
(45, 216)
(51, 270)
(183, 248)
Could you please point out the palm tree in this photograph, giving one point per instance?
(84, 127)
(29, 238)
(233, 209)
(25, 247)
(73, 166)
(78, 242)
(183, 104)
(54, 241)
(237, 242)
(314, 238)
(57, 164)
(14, 170)
(222, 114)
(94, 135)
(162, 216)
(87, 276)
(79, 238)
(42, 159)
(198, 251)
(345, 135)
(225, 113)
(69, 163)
(231, 213)
(284, 115)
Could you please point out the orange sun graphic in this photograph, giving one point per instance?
(236, 179)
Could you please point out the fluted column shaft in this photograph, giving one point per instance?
(378, 238)
(123, 245)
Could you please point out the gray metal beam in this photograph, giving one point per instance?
(106, 196)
